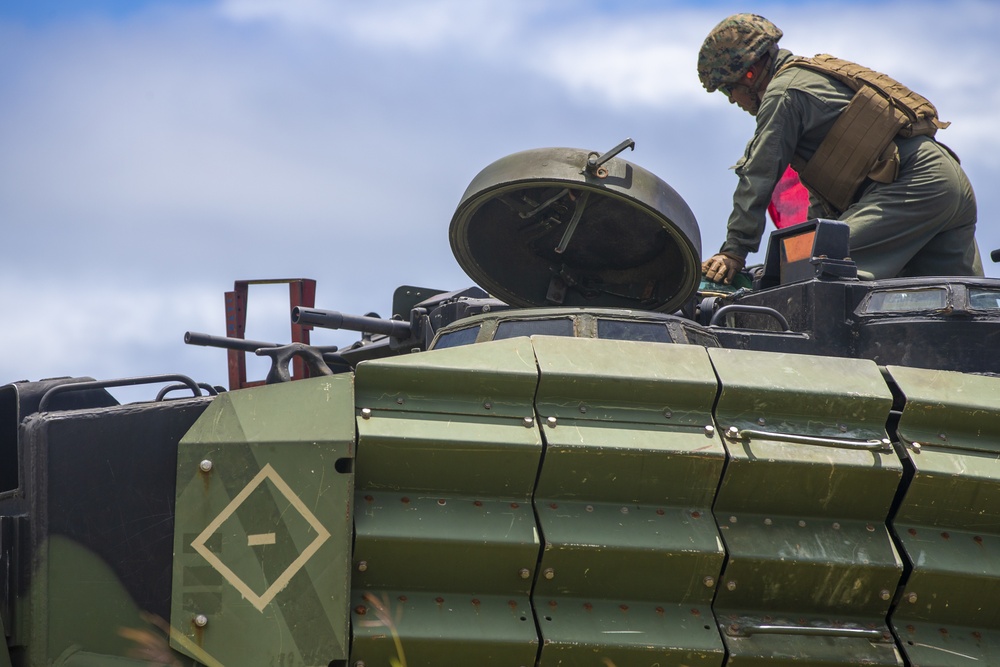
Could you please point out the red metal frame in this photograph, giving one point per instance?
(301, 292)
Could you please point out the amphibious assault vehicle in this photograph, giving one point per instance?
(592, 457)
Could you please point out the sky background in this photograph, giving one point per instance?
(154, 151)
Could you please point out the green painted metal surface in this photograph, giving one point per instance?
(263, 527)
(802, 509)
(624, 498)
(627, 381)
(446, 538)
(460, 380)
(949, 520)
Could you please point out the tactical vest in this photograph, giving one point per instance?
(860, 143)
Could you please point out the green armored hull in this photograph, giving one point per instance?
(569, 485)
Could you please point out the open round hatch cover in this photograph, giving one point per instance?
(565, 226)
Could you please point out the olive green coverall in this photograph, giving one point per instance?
(922, 224)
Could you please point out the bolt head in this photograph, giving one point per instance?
(363, 566)
(884, 594)
(911, 598)
(551, 421)
(201, 620)
(709, 581)
(205, 466)
(709, 430)
(366, 413)
(524, 573)
(549, 573)
(529, 422)
(731, 585)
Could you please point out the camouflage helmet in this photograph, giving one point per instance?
(732, 47)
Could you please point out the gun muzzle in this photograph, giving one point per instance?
(331, 319)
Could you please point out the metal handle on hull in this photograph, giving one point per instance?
(123, 382)
(734, 434)
(761, 629)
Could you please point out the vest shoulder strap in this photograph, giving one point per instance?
(918, 114)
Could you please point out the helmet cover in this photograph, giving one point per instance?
(732, 47)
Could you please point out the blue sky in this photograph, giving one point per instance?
(153, 152)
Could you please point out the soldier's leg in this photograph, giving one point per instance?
(921, 224)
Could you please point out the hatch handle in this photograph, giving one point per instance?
(595, 160)
(761, 629)
(581, 204)
(734, 434)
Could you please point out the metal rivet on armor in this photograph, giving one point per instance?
(551, 421)
(709, 581)
(802, 524)
(201, 620)
(709, 430)
(524, 573)
(870, 528)
(915, 446)
(762, 422)
(583, 409)
(528, 422)
(842, 428)
(943, 436)
(359, 663)
(733, 519)
(836, 526)
(205, 466)
(549, 573)
(911, 598)
(731, 585)
(624, 510)
(362, 566)
(733, 432)
(399, 401)
(668, 414)
(884, 594)
(487, 405)
(590, 508)
(767, 522)
(366, 413)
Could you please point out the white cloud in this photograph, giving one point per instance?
(424, 26)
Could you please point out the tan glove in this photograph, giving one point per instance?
(722, 268)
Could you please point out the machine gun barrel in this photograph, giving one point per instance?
(331, 319)
(208, 340)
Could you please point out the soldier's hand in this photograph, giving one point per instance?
(722, 268)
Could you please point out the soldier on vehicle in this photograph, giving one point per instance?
(863, 145)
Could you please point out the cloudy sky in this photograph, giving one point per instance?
(154, 151)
